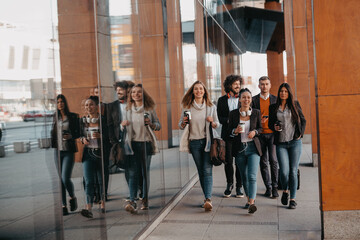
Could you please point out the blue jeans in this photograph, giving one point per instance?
(138, 168)
(66, 166)
(92, 168)
(289, 157)
(203, 165)
(247, 162)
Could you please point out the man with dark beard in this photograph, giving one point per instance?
(226, 104)
(116, 112)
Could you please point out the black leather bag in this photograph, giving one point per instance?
(217, 150)
(117, 156)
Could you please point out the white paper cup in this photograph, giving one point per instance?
(242, 125)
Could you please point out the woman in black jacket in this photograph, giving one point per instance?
(63, 134)
(288, 122)
(244, 128)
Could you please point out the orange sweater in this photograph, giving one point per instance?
(264, 109)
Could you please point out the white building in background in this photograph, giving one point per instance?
(29, 67)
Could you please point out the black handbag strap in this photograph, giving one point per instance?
(211, 133)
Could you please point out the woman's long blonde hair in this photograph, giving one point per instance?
(189, 97)
(149, 103)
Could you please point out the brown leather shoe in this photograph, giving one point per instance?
(131, 207)
(208, 205)
(144, 204)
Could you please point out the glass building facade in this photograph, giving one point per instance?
(80, 49)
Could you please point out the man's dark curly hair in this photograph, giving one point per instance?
(230, 80)
(123, 84)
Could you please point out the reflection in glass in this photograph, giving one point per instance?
(63, 135)
(92, 160)
(140, 143)
(116, 120)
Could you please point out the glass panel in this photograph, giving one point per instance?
(30, 199)
(164, 47)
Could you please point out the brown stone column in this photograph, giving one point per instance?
(274, 59)
(299, 46)
(77, 40)
(226, 59)
(310, 40)
(297, 53)
(149, 50)
(200, 42)
(337, 38)
(85, 52)
(176, 76)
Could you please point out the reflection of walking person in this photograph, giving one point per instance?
(140, 143)
(288, 122)
(244, 127)
(197, 129)
(116, 114)
(63, 134)
(92, 159)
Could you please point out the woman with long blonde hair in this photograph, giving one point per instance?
(198, 114)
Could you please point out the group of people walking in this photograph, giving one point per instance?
(258, 130)
(129, 121)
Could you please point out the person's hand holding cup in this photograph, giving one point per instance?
(66, 135)
(240, 128)
(95, 134)
(186, 118)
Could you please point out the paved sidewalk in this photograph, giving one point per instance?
(229, 220)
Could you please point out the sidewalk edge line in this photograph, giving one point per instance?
(143, 234)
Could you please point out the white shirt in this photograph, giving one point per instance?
(233, 103)
(264, 97)
(244, 135)
(122, 107)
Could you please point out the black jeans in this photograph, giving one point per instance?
(269, 156)
(229, 166)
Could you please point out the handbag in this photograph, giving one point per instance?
(280, 185)
(117, 155)
(184, 140)
(217, 149)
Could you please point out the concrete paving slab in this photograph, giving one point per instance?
(306, 217)
(229, 221)
(179, 231)
(218, 231)
(230, 210)
(28, 202)
(299, 235)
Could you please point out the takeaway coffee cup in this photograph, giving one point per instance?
(188, 115)
(242, 125)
